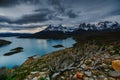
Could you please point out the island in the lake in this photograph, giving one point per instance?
(14, 51)
(4, 42)
(58, 46)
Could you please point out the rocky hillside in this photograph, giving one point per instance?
(88, 61)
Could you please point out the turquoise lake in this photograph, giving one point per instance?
(31, 47)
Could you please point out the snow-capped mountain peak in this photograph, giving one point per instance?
(107, 25)
(59, 28)
(100, 26)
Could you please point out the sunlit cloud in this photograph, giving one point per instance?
(34, 30)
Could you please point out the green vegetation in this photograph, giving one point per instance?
(115, 50)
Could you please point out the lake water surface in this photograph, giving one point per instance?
(31, 47)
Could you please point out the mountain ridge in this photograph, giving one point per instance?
(62, 32)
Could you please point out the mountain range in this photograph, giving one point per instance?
(61, 32)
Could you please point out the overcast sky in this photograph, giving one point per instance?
(27, 15)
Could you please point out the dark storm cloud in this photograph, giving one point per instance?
(42, 10)
(71, 14)
(57, 11)
(41, 16)
(31, 1)
(4, 19)
(115, 12)
(33, 18)
(57, 5)
(6, 3)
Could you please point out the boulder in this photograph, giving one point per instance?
(78, 75)
(114, 74)
(116, 65)
(88, 73)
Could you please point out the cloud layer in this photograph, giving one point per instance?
(22, 14)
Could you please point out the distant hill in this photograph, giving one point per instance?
(13, 34)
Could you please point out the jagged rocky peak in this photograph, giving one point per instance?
(87, 26)
(108, 24)
(59, 28)
(49, 27)
(54, 28)
(100, 26)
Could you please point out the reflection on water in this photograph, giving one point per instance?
(31, 47)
